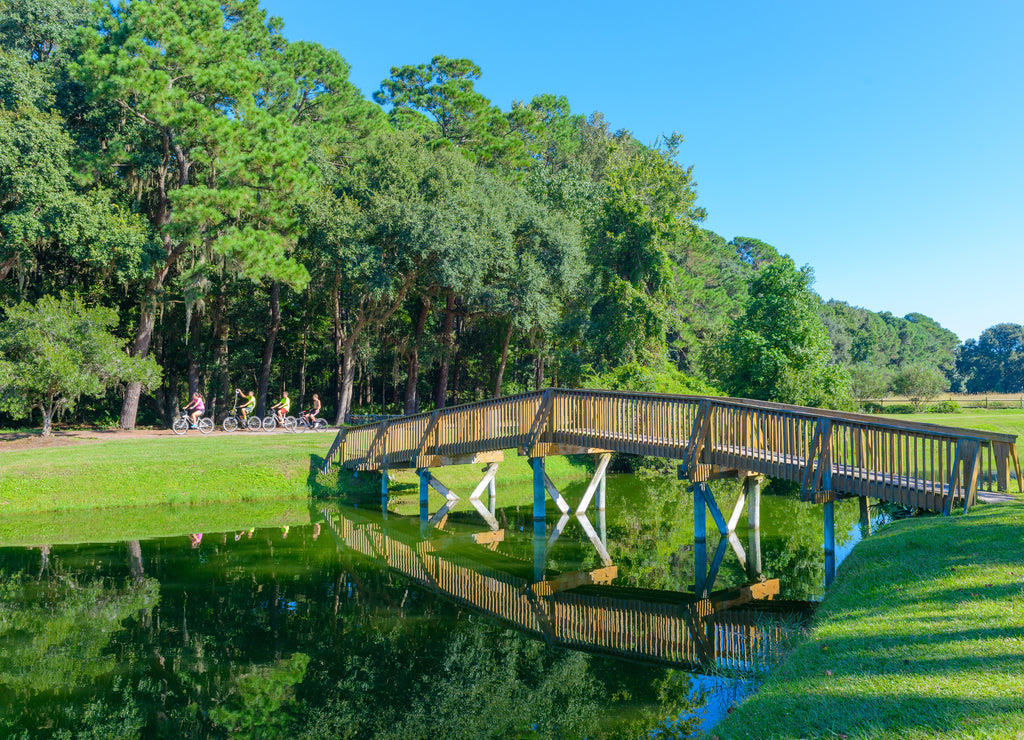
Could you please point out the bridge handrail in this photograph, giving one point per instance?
(915, 463)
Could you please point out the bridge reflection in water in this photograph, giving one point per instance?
(741, 628)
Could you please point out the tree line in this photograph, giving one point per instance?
(253, 220)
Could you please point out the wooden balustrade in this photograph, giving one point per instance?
(669, 628)
(832, 454)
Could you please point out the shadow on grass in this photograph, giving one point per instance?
(918, 638)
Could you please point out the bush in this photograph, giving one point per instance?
(900, 408)
(945, 407)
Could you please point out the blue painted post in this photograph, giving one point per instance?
(424, 475)
(602, 490)
(384, 492)
(830, 543)
(540, 494)
(700, 541)
(540, 539)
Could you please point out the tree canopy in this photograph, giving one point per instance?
(254, 220)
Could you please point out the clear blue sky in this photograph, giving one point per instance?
(880, 142)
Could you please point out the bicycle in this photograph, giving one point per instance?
(302, 424)
(234, 420)
(183, 423)
(270, 423)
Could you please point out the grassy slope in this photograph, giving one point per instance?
(921, 636)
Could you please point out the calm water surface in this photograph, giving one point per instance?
(352, 625)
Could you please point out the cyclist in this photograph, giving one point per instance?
(196, 407)
(282, 406)
(250, 403)
(310, 416)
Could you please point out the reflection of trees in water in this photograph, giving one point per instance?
(281, 638)
(56, 626)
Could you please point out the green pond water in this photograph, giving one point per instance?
(342, 623)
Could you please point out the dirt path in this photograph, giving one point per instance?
(61, 438)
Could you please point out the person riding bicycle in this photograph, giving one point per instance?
(196, 407)
(282, 406)
(250, 403)
(310, 416)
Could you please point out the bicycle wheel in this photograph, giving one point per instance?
(269, 423)
(205, 425)
(290, 422)
(180, 425)
(230, 424)
(320, 425)
(253, 423)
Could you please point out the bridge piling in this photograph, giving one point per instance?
(830, 542)
(539, 490)
(700, 540)
(752, 484)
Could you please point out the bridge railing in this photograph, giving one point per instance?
(830, 453)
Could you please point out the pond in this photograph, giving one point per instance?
(346, 623)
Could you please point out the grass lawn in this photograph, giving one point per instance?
(121, 489)
(159, 470)
(921, 636)
(1007, 421)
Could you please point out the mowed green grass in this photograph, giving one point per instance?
(921, 636)
(165, 470)
(1005, 421)
(139, 488)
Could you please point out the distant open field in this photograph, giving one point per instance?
(964, 400)
(1006, 421)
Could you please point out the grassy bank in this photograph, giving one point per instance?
(122, 488)
(921, 636)
(159, 470)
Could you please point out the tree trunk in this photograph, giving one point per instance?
(338, 348)
(441, 389)
(539, 368)
(504, 360)
(268, 348)
(302, 364)
(47, 421)
(347, 373)
(220, 356)
(140, 348)
(135, 561)
(412, 379)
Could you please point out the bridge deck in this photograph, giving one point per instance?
(831, 454)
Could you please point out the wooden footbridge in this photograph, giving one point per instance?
(832, 454)
(741, 628)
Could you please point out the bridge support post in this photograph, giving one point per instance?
(540, 549)
(424, 475)
(830, 543)
(492, 497)
(700, 540)
(384, 492)
(539, 490)
(753, 487)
